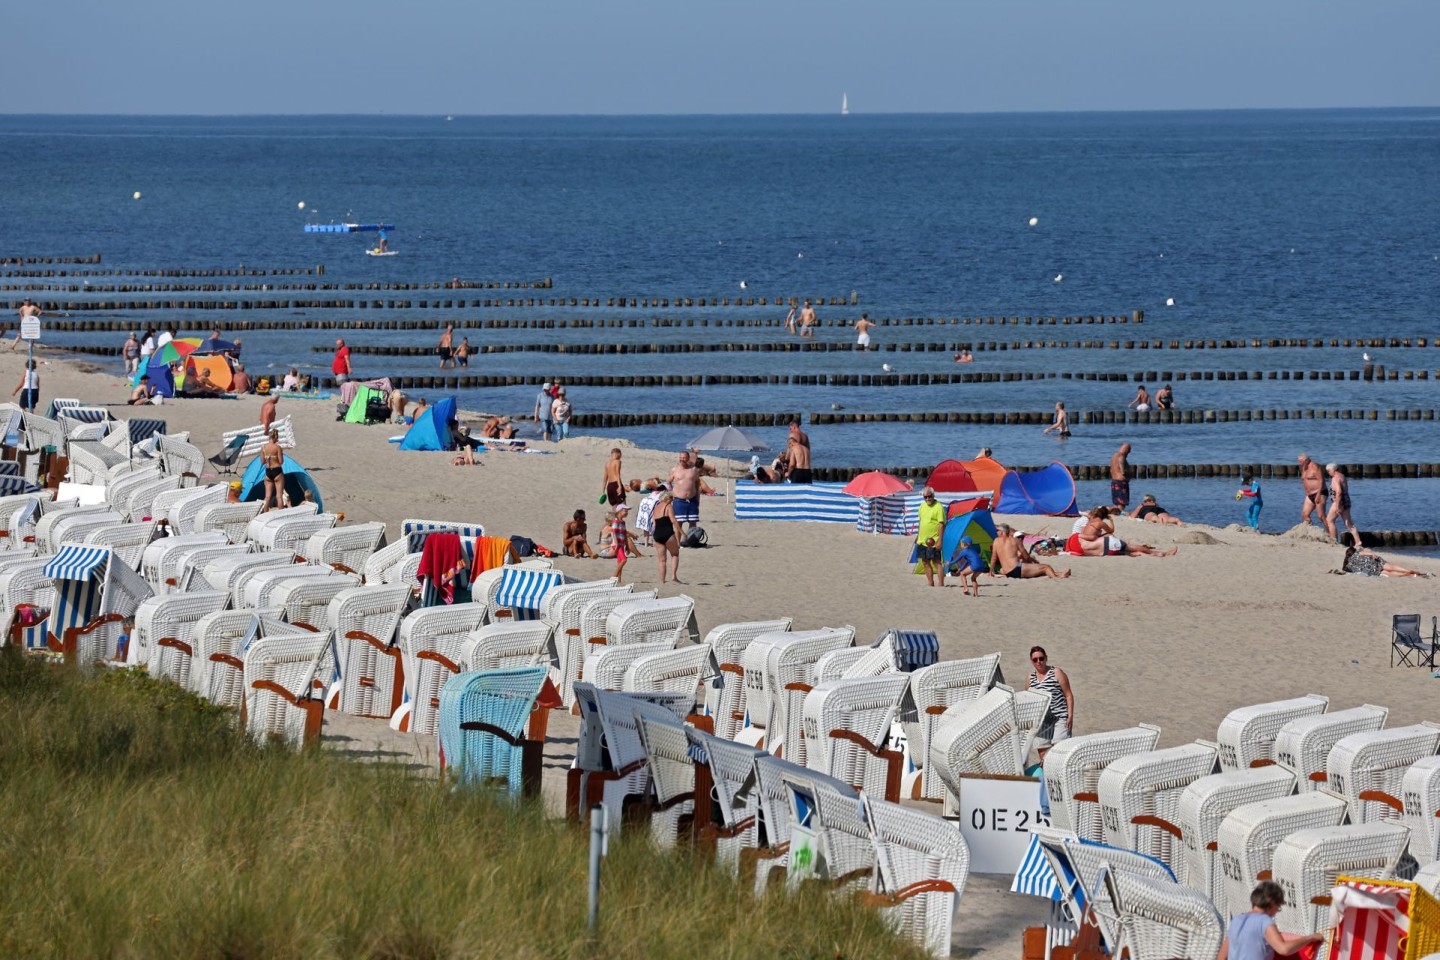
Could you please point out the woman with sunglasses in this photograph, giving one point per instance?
(1052, 681)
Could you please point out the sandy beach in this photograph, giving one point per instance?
(1176, 642)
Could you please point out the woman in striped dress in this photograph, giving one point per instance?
(1052, 681)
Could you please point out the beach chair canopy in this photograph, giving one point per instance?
(89, 583)
(299, 485)
(431, 430)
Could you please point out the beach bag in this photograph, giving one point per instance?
(524, 546)
(697, 537)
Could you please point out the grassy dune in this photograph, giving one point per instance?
(140, 824)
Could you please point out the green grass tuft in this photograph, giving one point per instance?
(141, 824)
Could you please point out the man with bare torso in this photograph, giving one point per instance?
(1120, 477)
(614, 485)
(446, 347)
(1015, 562)
(807, 320)
(1312, 478)
(798, 449)
(685, 488)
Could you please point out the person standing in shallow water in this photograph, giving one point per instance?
(1061, 426)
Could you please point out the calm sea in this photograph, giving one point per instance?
(1257, 224)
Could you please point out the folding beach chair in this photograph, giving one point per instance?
(1307, 861)
(1247, 734)
(921, 866)
(431, 640)
(256, 436)
(94, 595)
(481, 728)
(1408, 646)
(229, 454)
(725, 695)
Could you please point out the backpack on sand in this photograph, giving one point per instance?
(697, 537)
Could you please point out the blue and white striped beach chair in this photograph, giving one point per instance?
(521, 592)
(482, 728)
(94, 595)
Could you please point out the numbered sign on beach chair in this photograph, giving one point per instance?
(1204, 805)
(94, 595)
(522, 591)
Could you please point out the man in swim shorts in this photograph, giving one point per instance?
(862, 331)
(1120, 477)
(798, 451)
(1015, 562)
(446, 348)
(685, 487)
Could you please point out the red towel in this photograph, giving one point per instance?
(442, 560)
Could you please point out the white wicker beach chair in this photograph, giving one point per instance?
(180, 459)
(773, 800)
(981, 736)
(256, 528)
(566, 596)
(119, 490)
(921, 866)
(779, 671)
(1204, 804)
(94, 596)
(156, 553)
(725, 696)
(177, 564)
(1250, 833)
(1306, 863)
(839, 664)
(1368, 769)
(168, 505)
(733, 822)
(257, 585)
(570, 643)
(933, 690)
(1247, 734)
(1161, 919)
(502, 645)
(77, 528)
(431, 640)
(223, 572)
(677, 671)
(666, 620)
(306, 600)
(846, 726)
(16, 512)
(829, 837)
(372, 673)
(138, 502)
(91, 462)
(293, 532)
(231, 519)
(382, 560)
(345, 548)
(256, 436)
(672, 775)
(407, 572)
(218, 642)
(44, 542)
(23, 584)
(1420, 796)
(610, 763)
(165, 628)
(607, 666)
(1140, 794)
(1302, 745)
(127, 541)
(279, 687)
(1072, 775)
(1080, 869)
(482, 728)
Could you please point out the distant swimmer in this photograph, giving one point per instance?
(1165, 398)
(965, 356)
(1061, 426)
(808, 319)
(790, 319)
(1141, 403)
(862, 331)
(384, 242)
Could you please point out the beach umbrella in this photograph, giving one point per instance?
(213, 345)
(174, 350)
(725, 440)
(875, 483)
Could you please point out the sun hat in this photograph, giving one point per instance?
(621, 507)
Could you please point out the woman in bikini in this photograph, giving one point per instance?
(273, 459)
(667, 543)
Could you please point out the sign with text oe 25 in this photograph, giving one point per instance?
(996, 815)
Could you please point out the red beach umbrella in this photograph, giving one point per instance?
(875, 483)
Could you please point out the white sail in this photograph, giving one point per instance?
(844, 105)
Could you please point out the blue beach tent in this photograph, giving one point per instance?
(1049, 491)
(299, 485)
(162, 378)
(432, 430)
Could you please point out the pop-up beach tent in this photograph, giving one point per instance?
(951, 476)
(218, 368)
(977, 525)
(432, 430)
(299, 485)
(1049, 491)
(162, 378)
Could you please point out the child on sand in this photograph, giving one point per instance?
(1251, 489)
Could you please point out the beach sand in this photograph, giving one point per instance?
(1176, 642)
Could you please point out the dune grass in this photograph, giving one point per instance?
(139, 823)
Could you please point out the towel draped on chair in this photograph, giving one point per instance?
(443, 567)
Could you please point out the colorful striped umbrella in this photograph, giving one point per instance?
(174, 350)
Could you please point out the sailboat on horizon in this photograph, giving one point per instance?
(844, 105)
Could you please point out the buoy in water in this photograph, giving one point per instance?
(136, 195)
(1034, 221)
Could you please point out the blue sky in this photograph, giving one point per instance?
(737, 56)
